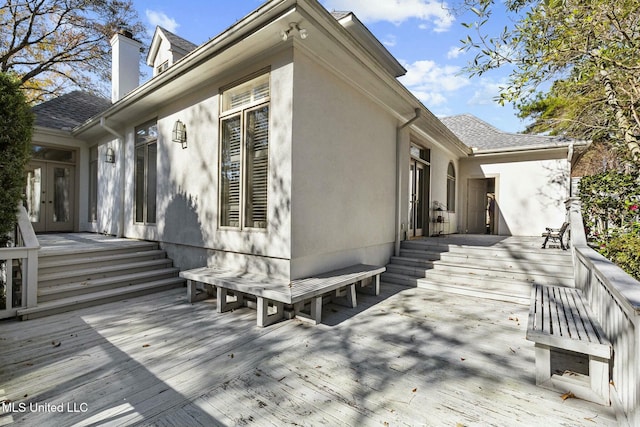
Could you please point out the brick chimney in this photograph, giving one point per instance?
(125, 64)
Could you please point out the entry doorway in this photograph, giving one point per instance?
(419, 182)
(49, 196)
(481, 206)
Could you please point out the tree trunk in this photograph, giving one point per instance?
(630, 139)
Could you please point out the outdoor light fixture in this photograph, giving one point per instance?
(110, 157)
(293, 27)
(180, 133)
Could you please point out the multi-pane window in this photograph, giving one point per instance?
(93, 184)
(244, 154)
(146, 172)
(451, 188)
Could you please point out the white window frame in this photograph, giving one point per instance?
(242, 110)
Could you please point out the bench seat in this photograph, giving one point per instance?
(559, 318)
(272, 294)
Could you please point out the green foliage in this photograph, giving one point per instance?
(611, 211)
(574, 65)
(624, 251)
(16, 124)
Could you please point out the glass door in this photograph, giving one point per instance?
(418, 195)
(49, 196)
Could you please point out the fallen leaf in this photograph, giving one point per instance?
(28, 364)
(512, 350)
(414, 390)
(568, 395)
(460, 425)
(56, 344)
(231, 356)
(319, 366)
(463, 359)
(146, 345)
(592, 419)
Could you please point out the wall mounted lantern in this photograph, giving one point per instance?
(293, 27)
(110, 157)
(180, 133)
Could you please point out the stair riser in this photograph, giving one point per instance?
(478, 280)
(101, 301)
(482, 274)
(398, 279)
(102, 274)
(98, 262)
(104, 287)
(64, 255)
(548, 255)
(483, 264)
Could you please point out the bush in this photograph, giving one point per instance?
(611, 210)
(16, 124)
(624, 251)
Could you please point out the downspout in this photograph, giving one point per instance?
(399, 168)
(103, 124)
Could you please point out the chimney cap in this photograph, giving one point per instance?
(125, 32)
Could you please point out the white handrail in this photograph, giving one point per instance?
(25, 249)
(614, 297)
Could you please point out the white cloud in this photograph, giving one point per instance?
(454, 52)
(431, 82)
(160, 18)
(434, 12)
(390, 40)
(486, 92)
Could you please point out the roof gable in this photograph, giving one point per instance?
(165, 42)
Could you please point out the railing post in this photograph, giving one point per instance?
(30, 270)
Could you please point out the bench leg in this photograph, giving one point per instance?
(315, 313)
(346, 297)
(192, 291)
(543, 364)
(266, 319)
(370, 286)
(224, 304)
(599, 378)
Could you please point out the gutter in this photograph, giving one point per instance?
(121, 167)
(399, 167)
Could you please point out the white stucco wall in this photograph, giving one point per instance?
(530, 189)
(187, 181)
(343, 194)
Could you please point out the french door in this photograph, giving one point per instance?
(418, 198)
(49, 196)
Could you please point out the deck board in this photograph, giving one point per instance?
(406, 357)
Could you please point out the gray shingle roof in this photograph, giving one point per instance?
(177, 41)
(483, 137)
(69, 110)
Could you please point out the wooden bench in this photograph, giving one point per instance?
(559, 318)
(305, 296)
(555, 235)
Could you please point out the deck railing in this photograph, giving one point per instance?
(19, 269)
(614, 297)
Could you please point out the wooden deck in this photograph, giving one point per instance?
(407, 357)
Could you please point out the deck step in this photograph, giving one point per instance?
(100, 272)
(77, 270)
(97, 298)
(491, 269)
(49, 265)
(67, 290)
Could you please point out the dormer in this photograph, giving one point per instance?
(167, 49)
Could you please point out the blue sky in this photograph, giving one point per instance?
(424, 35)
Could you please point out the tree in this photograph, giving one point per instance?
(575, 65)
(16, 123)
(53, 45)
